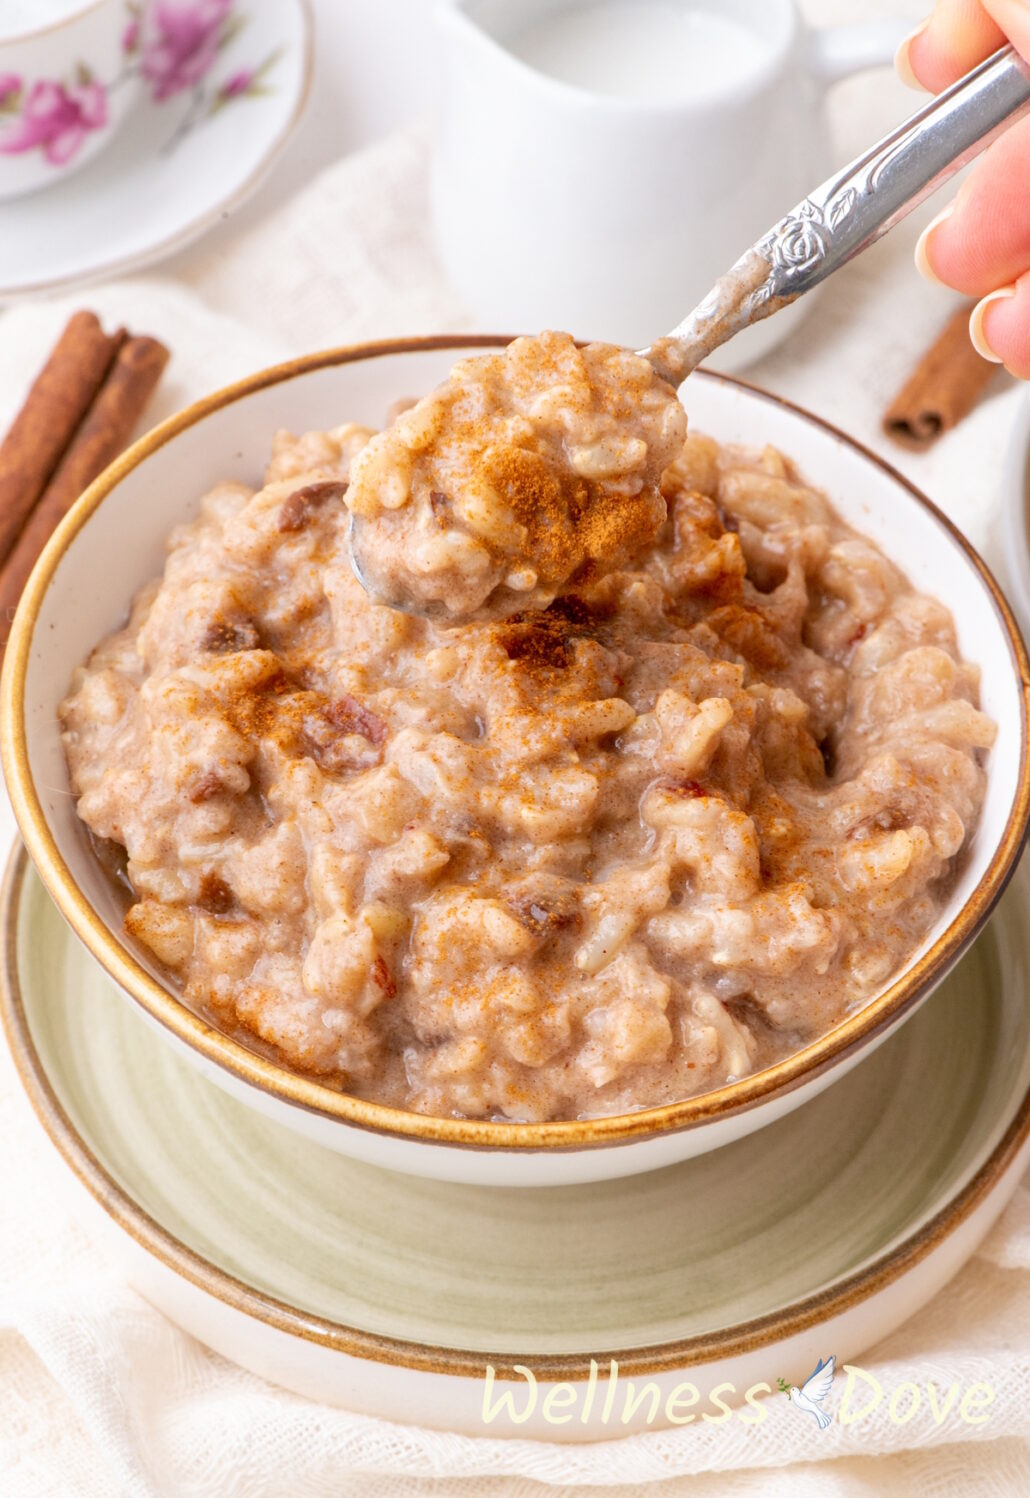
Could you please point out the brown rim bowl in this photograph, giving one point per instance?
(113, 541)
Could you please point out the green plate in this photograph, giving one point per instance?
(732, 1247)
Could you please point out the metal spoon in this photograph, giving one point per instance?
(828, 228)
(851, 210)
(500, 605)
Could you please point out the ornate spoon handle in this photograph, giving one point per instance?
(852, 209)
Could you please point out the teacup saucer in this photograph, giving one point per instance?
(195, 147)
(392, 1295)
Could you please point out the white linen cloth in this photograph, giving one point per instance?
(100, 1397)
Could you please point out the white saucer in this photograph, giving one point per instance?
(175, 168)
(393, 1296)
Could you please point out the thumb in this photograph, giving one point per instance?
(958, 35)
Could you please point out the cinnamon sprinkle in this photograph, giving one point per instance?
(546, 502)
(300, 720)
(536, 642)
(567, 519)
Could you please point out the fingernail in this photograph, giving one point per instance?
(976, 322)
(903, 63)
(923, 265)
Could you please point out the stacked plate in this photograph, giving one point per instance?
(456, 1273)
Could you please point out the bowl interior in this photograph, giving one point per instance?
(120, 546)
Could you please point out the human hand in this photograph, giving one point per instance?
(980, 244)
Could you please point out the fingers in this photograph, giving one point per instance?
(980, 244)
(982, 240)
(1013, 17)
(958, 35)
(1000, 327)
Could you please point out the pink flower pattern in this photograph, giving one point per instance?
(180, 44)
(238, 84)
(56, 119)
(185, 46)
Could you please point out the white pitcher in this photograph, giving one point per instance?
(610, 216)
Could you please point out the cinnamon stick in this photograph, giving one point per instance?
(101, 437)
(943, 388)
(62, 394)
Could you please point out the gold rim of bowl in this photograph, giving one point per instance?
(162, 1005)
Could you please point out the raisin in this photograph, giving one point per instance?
(297, 508)
(215, 895)
(546, 913)
(206, 787)
(351, 716)
(383, 978)
(227, 636)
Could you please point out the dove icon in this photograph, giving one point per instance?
(813, 1391)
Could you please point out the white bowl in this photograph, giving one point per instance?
(67, 82)
(113, 542)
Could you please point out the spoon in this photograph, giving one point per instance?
(833, 224)
(425, 608)
(851, 210)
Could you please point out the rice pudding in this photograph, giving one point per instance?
(594, 856)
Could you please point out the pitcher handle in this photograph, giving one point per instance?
(835, 52)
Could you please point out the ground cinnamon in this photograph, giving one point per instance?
(100, 438)
(41, 432)
(943, 388)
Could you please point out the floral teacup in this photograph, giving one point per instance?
(71, 70)
(67, 82)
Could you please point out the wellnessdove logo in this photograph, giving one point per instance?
(605, 1400)
(813, 1392)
